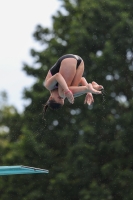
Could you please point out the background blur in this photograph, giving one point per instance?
(87, 149)
(18, 20)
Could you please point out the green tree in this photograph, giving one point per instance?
(88, 149)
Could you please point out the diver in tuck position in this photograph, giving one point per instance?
(65, 80)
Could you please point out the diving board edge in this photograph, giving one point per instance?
(21, 169)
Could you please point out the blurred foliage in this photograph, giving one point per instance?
(87, 149)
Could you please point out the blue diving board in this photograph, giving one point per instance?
(20, 169)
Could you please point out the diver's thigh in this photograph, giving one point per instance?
(78, 75)
(68, 69)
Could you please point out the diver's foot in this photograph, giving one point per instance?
(96, 86)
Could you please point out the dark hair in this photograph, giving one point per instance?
(51, 104)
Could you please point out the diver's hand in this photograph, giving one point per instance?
(69, 96)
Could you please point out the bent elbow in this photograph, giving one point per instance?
(44, 84)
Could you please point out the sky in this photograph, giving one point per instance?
(18, 20)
